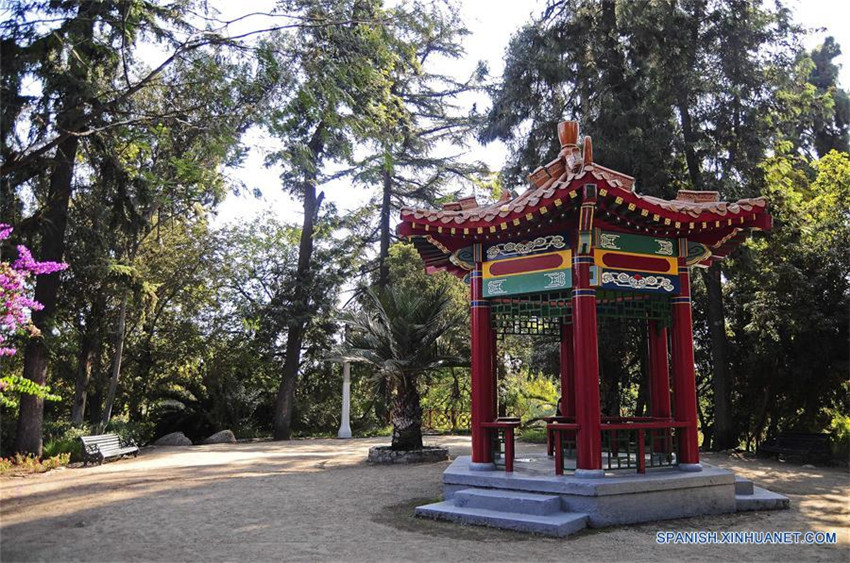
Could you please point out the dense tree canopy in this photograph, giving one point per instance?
(693, 94)
(116, 160)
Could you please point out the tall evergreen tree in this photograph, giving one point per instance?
(81, 56)
(423, 119)
(832, 131)
(679, 93)
(332, 99)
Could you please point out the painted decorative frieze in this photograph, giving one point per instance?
(542, 264)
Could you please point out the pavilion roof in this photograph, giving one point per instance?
(556, 193)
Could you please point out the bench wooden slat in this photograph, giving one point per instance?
(103, 446)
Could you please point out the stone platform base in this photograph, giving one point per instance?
(529, 500)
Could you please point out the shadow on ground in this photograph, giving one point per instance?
(317, 500)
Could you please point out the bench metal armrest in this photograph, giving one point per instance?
(127, 443)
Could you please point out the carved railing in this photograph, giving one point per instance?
(627, 442)
(449, 420)
(641, 444)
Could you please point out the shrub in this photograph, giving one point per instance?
(139, 432)
(30, 464)
(66, 443)
(840, 430)
(534, 434)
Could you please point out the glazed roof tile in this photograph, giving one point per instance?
(558, 185)
(566, 174)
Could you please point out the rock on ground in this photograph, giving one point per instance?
(223, 437)
(173, 439)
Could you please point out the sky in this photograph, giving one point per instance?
(491, 23)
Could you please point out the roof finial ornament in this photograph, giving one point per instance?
(568, 133)
(587, 151)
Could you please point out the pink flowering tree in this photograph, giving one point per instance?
(15, 308)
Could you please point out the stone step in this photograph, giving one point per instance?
(558, 524)
(743, 486)
(502, 500)
(761, 499)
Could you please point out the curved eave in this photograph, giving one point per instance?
(435, 255)
(641, 214)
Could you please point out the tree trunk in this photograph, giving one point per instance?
(407, 415)
(84, 366)
(690, 138)
(46, 292)
(145, 365)
(301, 299)
(90, 345)
(116, 362)
(36, 354)
(724, 432)
(684, 96)
(96, 386)
(383, 269)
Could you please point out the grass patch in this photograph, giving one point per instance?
(533, 434)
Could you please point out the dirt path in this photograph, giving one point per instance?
(316, 500)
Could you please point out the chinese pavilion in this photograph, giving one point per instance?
(578, 245)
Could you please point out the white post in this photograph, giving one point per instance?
(345, 427)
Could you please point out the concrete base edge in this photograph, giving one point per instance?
(488, 466)
(690, 467)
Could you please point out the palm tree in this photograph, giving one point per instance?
(399, 331)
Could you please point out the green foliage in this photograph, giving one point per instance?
(533, 434)
(646, 82)
(403, 332)
(840, 427)
(832, 128)
(13, 385)
(791, 293)
(67, 443)
(529, 396)
(140, 431)
(360, 92)
(400, 332)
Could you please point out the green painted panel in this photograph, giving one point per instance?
(552, 280)
(638, 244)
(697, 252)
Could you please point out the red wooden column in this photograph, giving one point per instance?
(494, 369)
(684, 375)
(568, 393)
(659, 371)
(482, 393)
(659, 383)
(585, 346)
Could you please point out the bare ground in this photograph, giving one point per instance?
(317, 500)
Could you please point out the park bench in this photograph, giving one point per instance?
(105, 446)
(807, 445)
